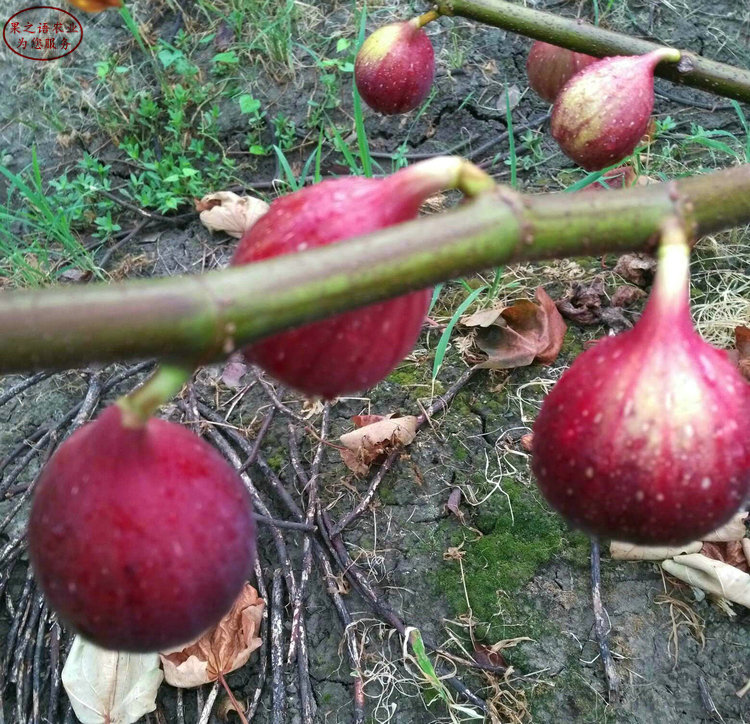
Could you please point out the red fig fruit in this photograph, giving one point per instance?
(646, 438)
(395, 67)
(140, 537)
(603, 111)
(352, 351)
(550, 67)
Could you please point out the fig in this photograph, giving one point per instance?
(395, 67)
(604, 110)
(646, 437)
(349, 352)
(141, 535)
(550, 67)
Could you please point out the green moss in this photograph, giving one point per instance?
(387, 495)
(276, 460)
(497, 565)
(459, 451)
(407, 375)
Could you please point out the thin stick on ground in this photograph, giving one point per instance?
(262, 654)
(209, 705)
(310, 485)
(278, 689)
(24, 384)
(601, 619)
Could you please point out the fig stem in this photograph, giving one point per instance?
(207, 316)
(673, 270)
(693, 70)
(425, 18)
(168, 379)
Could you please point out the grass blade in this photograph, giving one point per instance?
(442, 344)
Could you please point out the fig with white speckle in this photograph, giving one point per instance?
(646, 438)
(603, 111)
(353, 351)
(550, 67)
(141, 535)
(395, 67)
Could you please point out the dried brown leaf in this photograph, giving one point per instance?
(489, 656)
(370, 443)
(627, 296)
(586, 304)
(616, 178)
(637, 268)
(220, 650)
(519, 335)
(527, 441)
(76, 276)
(362, 420)
(228, 212)
(730, 552)
(234, 370)
(453, 505)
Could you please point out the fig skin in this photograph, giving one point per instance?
(603, 111)
(352, 351)
(395, 68)
(140, 537)
(645, 438)
(550, 67)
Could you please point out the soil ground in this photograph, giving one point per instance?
(512, 572)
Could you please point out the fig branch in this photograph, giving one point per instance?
(693, 70)
(204, 317)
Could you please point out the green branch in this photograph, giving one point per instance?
(692, 70)
(204, 317)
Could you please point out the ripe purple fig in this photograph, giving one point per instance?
(395, 67)
(352, 351)
(646, 438)
(550, 67)
(141, 535)
(603, 111)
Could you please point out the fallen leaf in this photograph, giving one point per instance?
(224, 648)
(76, 276)
(637, 268)
(616, 178)
(225, 211)
(586, 304)
(362, 420)
(730, 552)
(371, 442)
(519, 335)
(482, 318)
(452, 506)
(627, 296)
(110, 687)
(488, 656)
(583, 303)
(95, 6)
(234, 370)
(733, 530)
(715, 577)
(630, 552)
